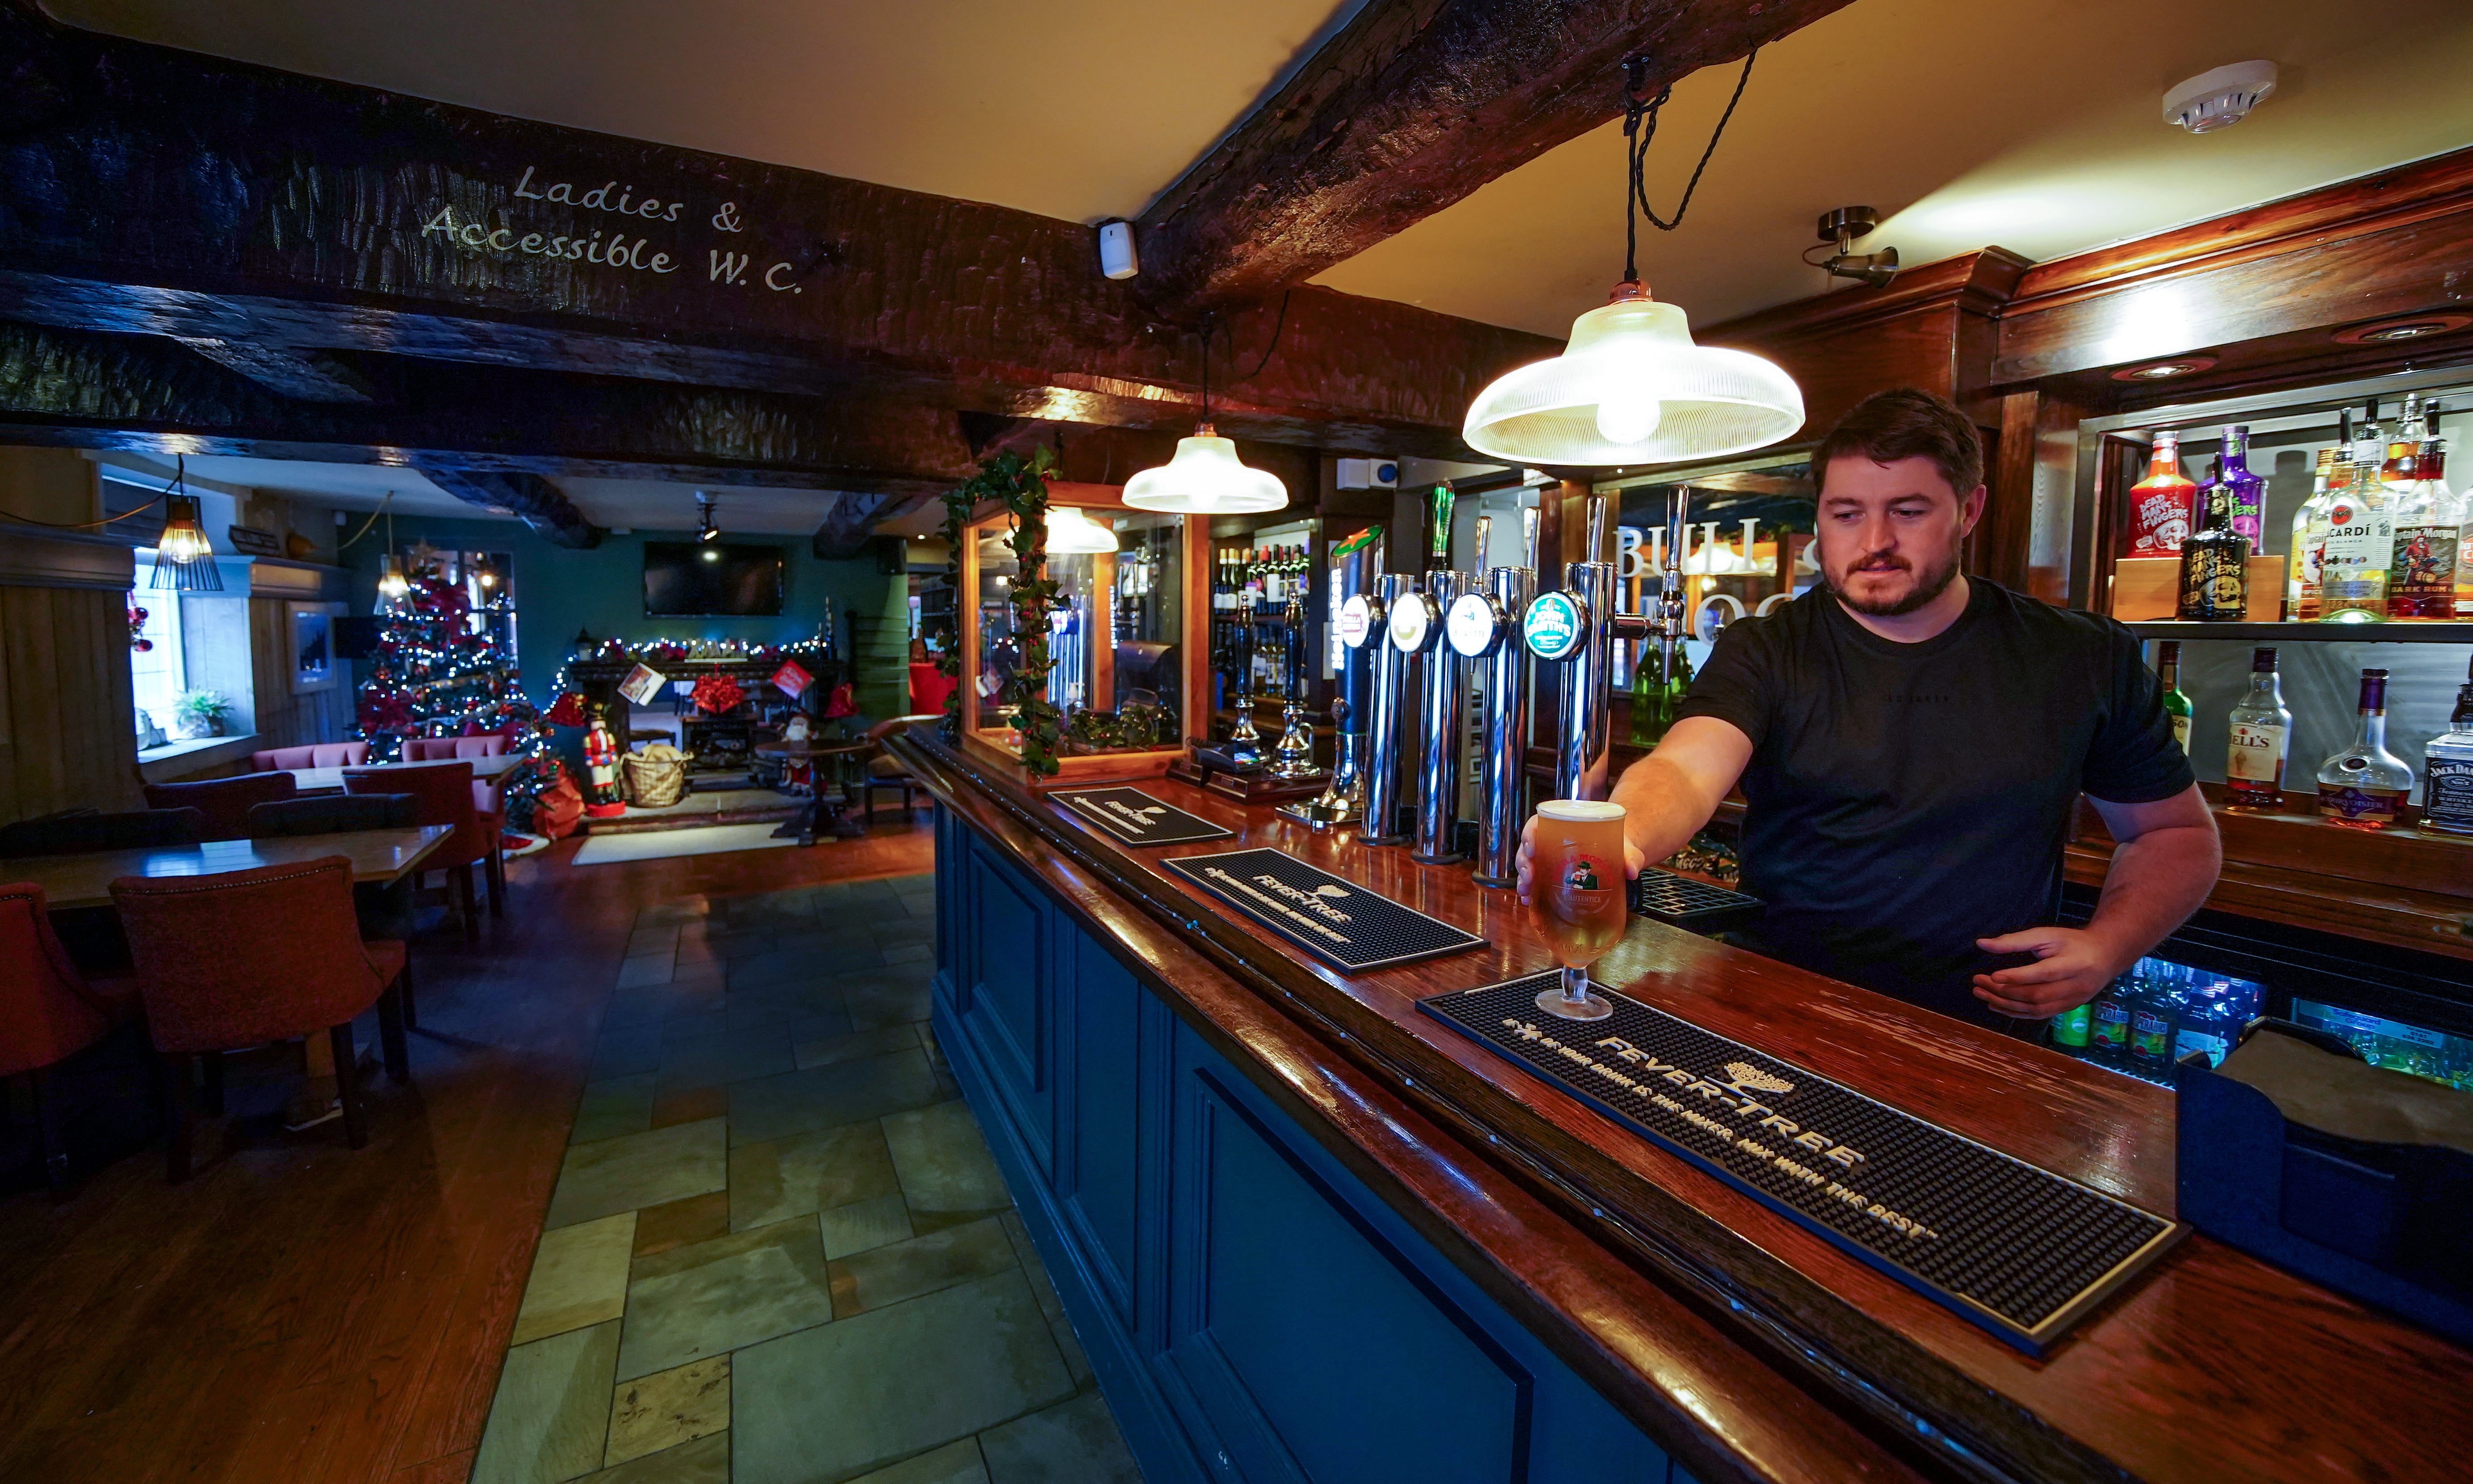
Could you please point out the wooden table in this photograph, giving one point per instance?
(803, 828)
(379, 856)
(330, 780)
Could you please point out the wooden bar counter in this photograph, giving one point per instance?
(1128, 1042)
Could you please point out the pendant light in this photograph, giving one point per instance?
(1630, 387)
(393, 584)
(185, 559)
(1205, 477)
(1073, 533)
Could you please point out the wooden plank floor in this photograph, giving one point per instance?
(305, 1312)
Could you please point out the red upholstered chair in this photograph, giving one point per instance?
(444, 790)
(317, 754)
(225, 802)
(48, 1011)
(246, 957)
(490, 743)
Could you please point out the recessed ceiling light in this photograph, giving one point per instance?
(2165, 371)
(2410, 327)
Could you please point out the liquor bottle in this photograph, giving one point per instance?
(1656, 695)
(2164, 504)
(2447, 799)
(2262, 729)
(2353, 586)
(2302, 575)
(2215, 563)
(2248, 490)
(2421, 573)
(2362, 785)
(2177, 706)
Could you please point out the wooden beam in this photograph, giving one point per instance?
(528, 497)
(312, 376)
(1414, 105)
(307, 215)
(851, 525)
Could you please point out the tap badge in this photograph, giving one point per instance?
(1554, 627)
(1749, 1082)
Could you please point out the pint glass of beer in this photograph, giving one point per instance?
(1576, 896)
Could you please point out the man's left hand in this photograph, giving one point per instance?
(2072, 966)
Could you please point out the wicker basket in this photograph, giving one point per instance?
(656, 777)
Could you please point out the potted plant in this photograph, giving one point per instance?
(200, 713)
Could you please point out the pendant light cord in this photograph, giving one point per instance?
(383, 503)
(1639, 127)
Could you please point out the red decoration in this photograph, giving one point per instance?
(715, 694)
(844, 703)
(568, 712)
(791, 680)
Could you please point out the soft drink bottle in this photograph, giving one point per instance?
(2070, 1030)
(2154, 1022)
(2208, 1025)
(2108, 1024)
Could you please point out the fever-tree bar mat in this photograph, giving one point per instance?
(1342, 924)
(2017, 1249)
(1135, 817)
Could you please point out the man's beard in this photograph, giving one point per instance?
(1929, 585)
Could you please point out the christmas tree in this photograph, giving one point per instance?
(437, 673)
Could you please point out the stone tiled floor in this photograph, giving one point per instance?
(779, 1251)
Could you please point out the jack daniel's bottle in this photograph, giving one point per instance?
(2214, 562)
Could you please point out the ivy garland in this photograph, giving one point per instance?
(1021, 486)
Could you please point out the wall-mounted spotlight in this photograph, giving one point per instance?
(705, 530)
(1839, 228)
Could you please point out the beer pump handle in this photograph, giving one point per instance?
(1485, 533)
(1439, 553)
(1597, 528)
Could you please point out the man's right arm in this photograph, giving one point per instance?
(1671, 793)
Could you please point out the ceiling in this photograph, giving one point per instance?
(1081, 109)
(615, 504)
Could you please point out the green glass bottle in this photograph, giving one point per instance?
(1656, 696)
(2070, 1030)
(2177, 706)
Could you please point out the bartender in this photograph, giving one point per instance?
(1910, 742)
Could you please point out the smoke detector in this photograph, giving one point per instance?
(2219, 99)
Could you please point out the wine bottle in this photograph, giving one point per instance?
(2260, 732)
(2214, 562)
(2362, 785)
(2177, 706)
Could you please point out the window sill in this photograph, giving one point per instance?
(178, 759)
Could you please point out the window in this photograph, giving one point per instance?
(157, 676)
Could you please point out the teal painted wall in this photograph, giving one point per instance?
(559, 590)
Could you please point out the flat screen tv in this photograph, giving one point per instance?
(689, 580)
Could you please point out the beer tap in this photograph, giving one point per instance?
(1244, 742)
(1293, 757)
(1485, 626)
(1364, 623)
(1578, 627)
(1417, 627)
(1343, 801)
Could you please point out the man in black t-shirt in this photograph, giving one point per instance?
(1910, 743)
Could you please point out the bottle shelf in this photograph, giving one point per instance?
(2394, 631)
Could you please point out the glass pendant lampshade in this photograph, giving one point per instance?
(185, 561)
(1631, 388)
(1206, 478)
(1071, 533)
(392, 583)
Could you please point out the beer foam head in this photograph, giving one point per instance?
(1579, 811)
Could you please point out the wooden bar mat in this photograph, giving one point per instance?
(2014, 1247)
(1344, 925)
(1135, 817)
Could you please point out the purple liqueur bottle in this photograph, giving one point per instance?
(2248, 492)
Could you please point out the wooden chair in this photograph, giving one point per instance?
(883, 770)
(225, 802)
(49, 1012)
(444, 790)
(317, 754)
(242, 958)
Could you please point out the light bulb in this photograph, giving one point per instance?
(1628, 415)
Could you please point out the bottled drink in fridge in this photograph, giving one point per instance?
(2362, 785)
(2070, 1030)
(2108, 1023)
(1656, 693)
(2260, 732)
(2447, 800)
(2164, 504)
(2155, 1013)
(2209, 1024)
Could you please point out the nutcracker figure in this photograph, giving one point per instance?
(600, 798)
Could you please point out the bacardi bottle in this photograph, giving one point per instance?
(2262, 730)
(2177, 706)
(2447, 800)
(2215, 563)
(2164, 504)
(2302, 576)
(2361, 539)
(2421, 574)
(2248, 490)
(2362, 785)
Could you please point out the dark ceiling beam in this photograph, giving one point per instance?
(304, 377)
(528, 497)
(306, 215)
(851, 525)
(1414, 105)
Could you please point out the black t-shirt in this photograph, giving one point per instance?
(1905, 799)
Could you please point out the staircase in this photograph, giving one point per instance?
(879, 656)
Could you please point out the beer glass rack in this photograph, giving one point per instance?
(1693, 906)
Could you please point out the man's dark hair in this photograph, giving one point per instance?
(1906, 423)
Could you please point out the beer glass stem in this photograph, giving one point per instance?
(1576, 986)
